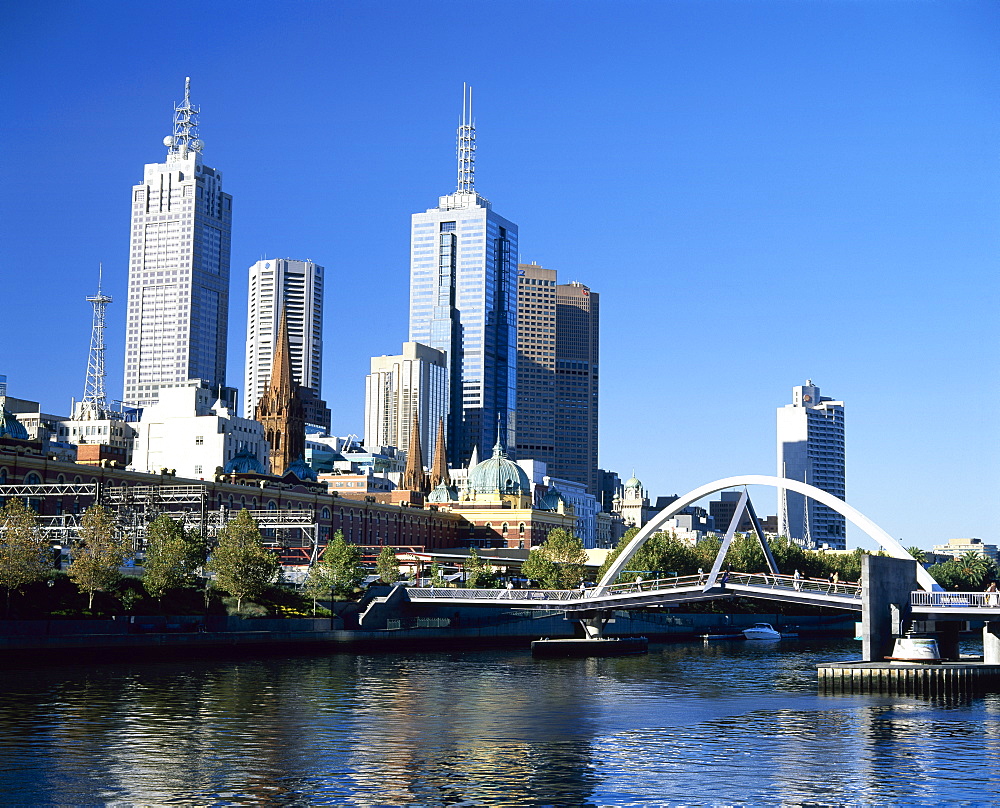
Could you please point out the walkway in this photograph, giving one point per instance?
(660, 592)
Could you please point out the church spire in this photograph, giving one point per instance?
(466, 145)
(280, 409)
(439, 471)
(414, 478)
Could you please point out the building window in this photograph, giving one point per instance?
(199, 440)
(197, 469)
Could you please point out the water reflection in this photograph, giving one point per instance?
(689, 723)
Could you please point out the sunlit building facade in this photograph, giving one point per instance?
(178, 288)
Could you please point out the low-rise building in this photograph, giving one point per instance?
(194, 434)
(956, 548)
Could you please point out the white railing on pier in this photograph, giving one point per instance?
(956, 600)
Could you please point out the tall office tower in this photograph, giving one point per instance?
(811, 449)
(463, 301)
(296, 287)
(558, 344)
(414, 383)
(178, 288)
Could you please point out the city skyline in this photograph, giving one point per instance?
(774, 192)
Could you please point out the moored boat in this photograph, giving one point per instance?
(761, 631)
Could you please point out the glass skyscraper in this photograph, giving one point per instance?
(463, 301)
(178, 287)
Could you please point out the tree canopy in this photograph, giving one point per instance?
(24, 550)
(558, 563)
(972, 571)
(387, 566)
(478, 575)
(242, 566)
(97, 553)
(339, 572)
(173, 555)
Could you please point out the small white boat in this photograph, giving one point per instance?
(761, 631)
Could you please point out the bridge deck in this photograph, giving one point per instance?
(664, 591)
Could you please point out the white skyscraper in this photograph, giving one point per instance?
(415, 381)
(811, 450)
(178, 289)
(297, 286)
(463, 301)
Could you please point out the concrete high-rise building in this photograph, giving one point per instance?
(463, 301)
(278, 284)
(558, 344)
(811, 450)
(414, 383)
(178, 288)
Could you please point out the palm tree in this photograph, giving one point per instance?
(919, 555)
(975, 567)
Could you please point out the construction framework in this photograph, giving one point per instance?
(136, 506)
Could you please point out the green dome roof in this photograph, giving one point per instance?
(443, 494)
(301, 469)
(244, 462)
(499, 474)
(633, 482)
(551, 500)
(10, 427)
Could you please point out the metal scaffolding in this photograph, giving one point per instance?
(136, 506)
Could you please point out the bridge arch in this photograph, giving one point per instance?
(855, 517)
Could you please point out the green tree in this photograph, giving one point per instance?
(242, 566)
(539, 567)
(976, 568)
(339, 572)
(437, 579)
(173, 555)
(623, 542)
(24, 550)
(98, 552)
(558, 563)
(948, 574)
(477, 574)
(387, 566)
(920, 556)
(664, 554)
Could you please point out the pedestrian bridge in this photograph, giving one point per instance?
(659, 592)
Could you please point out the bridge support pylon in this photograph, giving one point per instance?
(593, 623)
(991, 643)
(886, 584)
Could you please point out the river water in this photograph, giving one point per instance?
(688, 724)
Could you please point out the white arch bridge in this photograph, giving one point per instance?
(713, 585)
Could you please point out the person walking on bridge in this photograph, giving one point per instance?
(797, 576)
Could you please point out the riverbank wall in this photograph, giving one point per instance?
(177, 637)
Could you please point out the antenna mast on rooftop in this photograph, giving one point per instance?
(466, 145)
(94, 405)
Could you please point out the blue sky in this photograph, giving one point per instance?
(762, 192)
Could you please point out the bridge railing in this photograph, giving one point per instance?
(956, 600)
(761, 580)
(439, 593)
(790, 583)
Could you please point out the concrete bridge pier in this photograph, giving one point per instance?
(886, 584)
(991, 643)
(593, 623)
